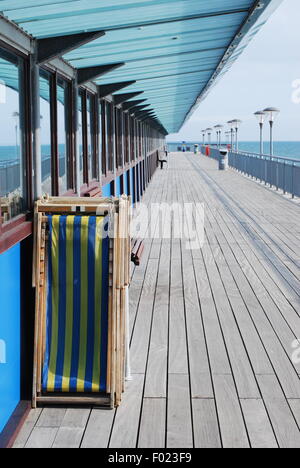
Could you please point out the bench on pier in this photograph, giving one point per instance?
(160, 158)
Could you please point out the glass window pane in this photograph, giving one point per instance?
(100, 133)
(80, 136)
(45, 133)
(12, 149)
(89, 138)
(110, 137)
(106, 113)
(62, 136)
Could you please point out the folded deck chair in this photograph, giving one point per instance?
(81, 272)
(75, 359)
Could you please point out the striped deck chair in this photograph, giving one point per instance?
(75, 358)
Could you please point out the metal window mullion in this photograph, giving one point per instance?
(85, 138)
(36, 126)
(76, 154)
(54, 139)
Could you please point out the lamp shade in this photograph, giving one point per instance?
(236, 123)
(260, 115)
(272, 113)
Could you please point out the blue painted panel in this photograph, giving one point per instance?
(118, 187)
(125, 183)
(106, 191)
(132, 185)
(9, 333)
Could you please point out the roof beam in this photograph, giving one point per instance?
(90, 73)
(139, 108)
(10, 33)
(143, 113)
(148, 116)
(120, 98)
(106, 90)
(131, 104)
(53, 47)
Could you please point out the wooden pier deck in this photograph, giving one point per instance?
(212, 329)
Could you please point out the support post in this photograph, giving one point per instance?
(36, 126)
(261, 125)
(77, 142)
(271, 139)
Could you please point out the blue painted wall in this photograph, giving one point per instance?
(125, 184)
(132, 185)
(9, 333)
(118, 187)
(106, 191)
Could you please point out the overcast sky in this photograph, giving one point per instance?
(263, 76)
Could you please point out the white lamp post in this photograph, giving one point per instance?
(16, 117)
(220, 134)
(236, 125)
(230, 124)
(261, 115)
(203, 136)
(209, 132)
(218, 129)
(271, 114)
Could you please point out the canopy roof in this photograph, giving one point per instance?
(175, 50)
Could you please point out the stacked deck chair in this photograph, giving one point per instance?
(81, 275)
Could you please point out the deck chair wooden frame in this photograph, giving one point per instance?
(119, 278)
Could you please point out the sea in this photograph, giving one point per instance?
(9, 154)
(285, 149)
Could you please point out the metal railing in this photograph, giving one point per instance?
(275, 171)
(9, 177)
(10, 174)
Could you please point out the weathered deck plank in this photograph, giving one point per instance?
(212, 329)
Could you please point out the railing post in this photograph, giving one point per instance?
(284, 186)
(266, 170)
(293, 191)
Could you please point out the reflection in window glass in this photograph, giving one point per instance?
(132, 139)
(89, 138)
(126, 139)
(105, 126)
(110, 137)
(62, 136)
(45, 133)
(12, 170)
(100, 138)
(80, 136)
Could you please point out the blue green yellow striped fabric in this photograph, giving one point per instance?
(75, 359)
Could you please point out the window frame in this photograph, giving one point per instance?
(110, 121)
(18, 228)
(54, 78)
(104, 138)
(68, 106)
(84, 95)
